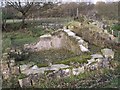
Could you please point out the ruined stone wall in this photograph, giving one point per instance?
(49, 42)
(71, 44)
(56, 40)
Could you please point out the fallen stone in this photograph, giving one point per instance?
(36, 70)
(66, 30)
(91, 60)
(59, 66)
(83, 49)
(77, 37)
(24, 67)
(71, 34)
(44, 36)
(35, 67)
(108, 53)
(95, 56)
(81, 41)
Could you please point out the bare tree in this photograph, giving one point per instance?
(22, 7)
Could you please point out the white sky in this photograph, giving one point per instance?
(94, 1)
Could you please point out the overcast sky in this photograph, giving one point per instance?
(93, 1)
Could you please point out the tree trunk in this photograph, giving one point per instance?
(23, 21)
(4, 25)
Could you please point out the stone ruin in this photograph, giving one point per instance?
(57, 40)
(33, 73)
(61, 39)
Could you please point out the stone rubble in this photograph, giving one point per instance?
(83, 49)
(107, 53)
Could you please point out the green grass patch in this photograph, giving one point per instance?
(37, 31)
(6, 44)
(78, 59)
(20, 42)
(21, 37)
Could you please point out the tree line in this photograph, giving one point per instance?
(31, 10)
